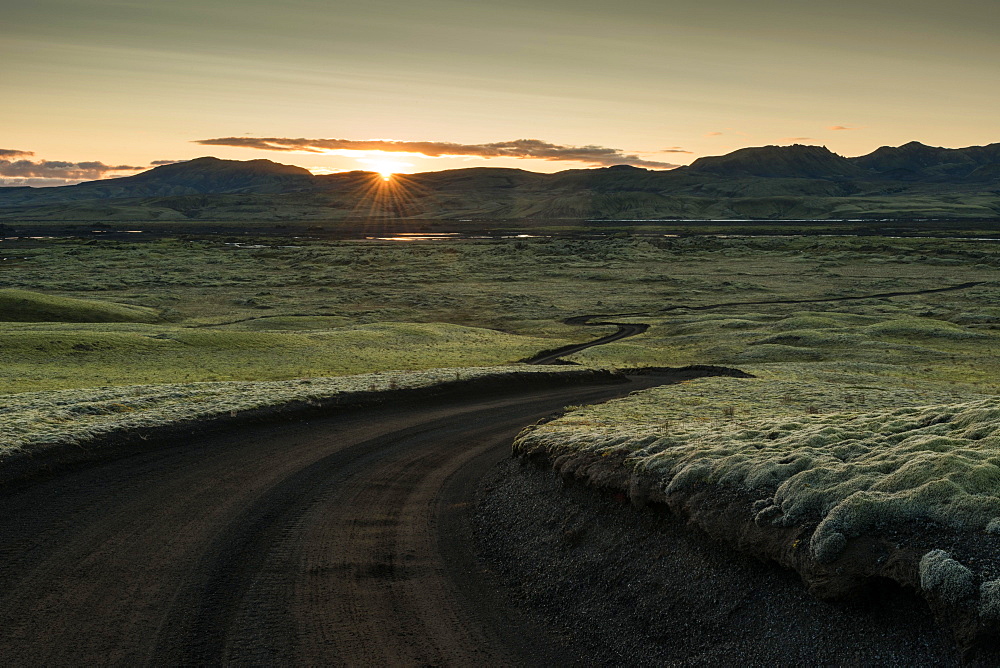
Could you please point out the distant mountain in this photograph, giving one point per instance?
(201, 176)
(916, 161)
(772, 182)
(212, 175)
(790, 162)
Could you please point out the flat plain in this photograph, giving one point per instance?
(796, 311)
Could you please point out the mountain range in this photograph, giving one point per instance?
(770, 182)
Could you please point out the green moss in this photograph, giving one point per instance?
(810, 338)
(27, 306)
(989, 600)
(942, 576)
(773, 352)
(846, 467)
(290, 323)
(805, 322)
(827, 546)
(919, 328)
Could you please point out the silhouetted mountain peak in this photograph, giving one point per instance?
(916, 161)
(215, 166)
(795, 161)
(213, 175)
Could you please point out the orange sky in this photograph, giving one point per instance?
(129, 82)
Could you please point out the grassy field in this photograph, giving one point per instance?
(40, 356)
(76, 313)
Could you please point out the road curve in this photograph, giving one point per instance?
(339, 540)
(624, 331)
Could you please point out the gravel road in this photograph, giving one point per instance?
(338, 541)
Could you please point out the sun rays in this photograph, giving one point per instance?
(387, 199)
(386, 167)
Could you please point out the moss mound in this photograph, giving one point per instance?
(847, 488)
(28, 306)
(849, 469)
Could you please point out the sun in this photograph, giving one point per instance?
(385, 168)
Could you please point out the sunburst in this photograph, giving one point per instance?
(385, 168)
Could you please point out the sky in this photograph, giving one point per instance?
(103, 88)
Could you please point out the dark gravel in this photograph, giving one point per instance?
(635, 587)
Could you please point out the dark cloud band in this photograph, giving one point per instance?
(518, 148)
(57, 169)
(14, 153)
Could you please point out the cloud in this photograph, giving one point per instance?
(37, 182)
(536, 149)
(713, 134)
(165, 162)
(674, 149)
(839, 127)
(57, 169)
(14, 153)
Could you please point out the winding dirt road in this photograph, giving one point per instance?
(627, 329)
(338, 541)
(624, 331)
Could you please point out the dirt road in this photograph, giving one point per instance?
(335, 541)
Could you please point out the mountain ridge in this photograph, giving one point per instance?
(771, 182)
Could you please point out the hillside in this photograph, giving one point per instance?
(770, 182)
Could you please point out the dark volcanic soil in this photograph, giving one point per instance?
(635, 587)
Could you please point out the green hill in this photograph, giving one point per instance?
(28, 306)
